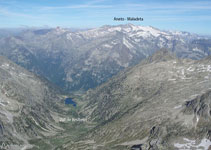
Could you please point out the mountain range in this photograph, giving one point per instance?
(132, 88)
(80, 60)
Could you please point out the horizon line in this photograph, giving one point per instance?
(89, 28)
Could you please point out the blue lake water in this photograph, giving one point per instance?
(70, 101)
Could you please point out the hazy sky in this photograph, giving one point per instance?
(185, 15)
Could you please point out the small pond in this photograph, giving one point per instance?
(69, 101)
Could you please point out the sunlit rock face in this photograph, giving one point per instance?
(162, 103)
(28, 106)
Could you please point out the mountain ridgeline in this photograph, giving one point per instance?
(80, 60)
(162, 103)
(29, 107)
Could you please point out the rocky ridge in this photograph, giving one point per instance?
(155, 105)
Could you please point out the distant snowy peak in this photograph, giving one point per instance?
(130, 28)
(134, 31)
(58, 30)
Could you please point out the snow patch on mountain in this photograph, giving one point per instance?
(5, 65)
(196, 49)
(177, 107)
(114, 29)
(127, 44)
(107, 46)
(69, 36)
(192, 144)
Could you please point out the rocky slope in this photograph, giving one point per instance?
(29, 107)
(84, 59)
(162, 103)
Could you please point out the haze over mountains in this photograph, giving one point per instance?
(84, 59)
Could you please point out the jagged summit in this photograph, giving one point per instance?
(161, 55)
